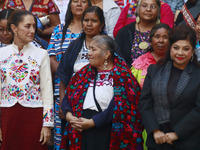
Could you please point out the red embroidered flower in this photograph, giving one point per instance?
(102, 76)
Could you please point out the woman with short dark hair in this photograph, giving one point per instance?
(170, 98)
(62, 36)
(76, 55)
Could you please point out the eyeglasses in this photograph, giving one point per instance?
(145, 6)
(2, 31)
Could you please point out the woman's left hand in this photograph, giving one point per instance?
(172, 136)
(85, 124)
(45, 135)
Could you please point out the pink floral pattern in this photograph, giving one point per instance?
(142, 63)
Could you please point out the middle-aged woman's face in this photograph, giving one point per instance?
(91, 24)
(96, 55)
(26, 29)
(78, 7)
(197, 28)
(181, 52)
(5, 35)
(148, 10)
(160, 41)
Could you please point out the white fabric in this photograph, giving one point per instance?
(82, 59)
(111, 13)
(62, 5)
(103, 92)
(26, 79)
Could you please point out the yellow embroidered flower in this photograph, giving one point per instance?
(33, 62)
(45, 2)
(18, 2)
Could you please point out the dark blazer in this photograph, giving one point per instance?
(124, 40)
(184, 112)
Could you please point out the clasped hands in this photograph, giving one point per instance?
(80, 123)
(160, 137)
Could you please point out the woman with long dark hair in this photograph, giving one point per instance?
(76, 55)
(61, 37)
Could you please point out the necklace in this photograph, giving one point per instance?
(70, 31)
(143, 44)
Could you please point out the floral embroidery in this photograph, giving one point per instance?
(18, 2)
(34, 77)
(48, 116)
(3, 75)
(20, 77)
(136, 51)
(45, 2)
(18, 70)
(32, 62)
(126, 112)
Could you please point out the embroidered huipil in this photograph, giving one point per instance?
(26, 79)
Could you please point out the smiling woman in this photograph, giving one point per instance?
(159, 41)
(170, 98)
(133, 38)
(27, 96)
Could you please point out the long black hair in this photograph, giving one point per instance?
(68, 19)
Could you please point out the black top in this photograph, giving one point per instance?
(184, 112)
(180, 15)
(173, 82)
(124, 40)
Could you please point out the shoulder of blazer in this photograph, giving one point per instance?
(153, 69)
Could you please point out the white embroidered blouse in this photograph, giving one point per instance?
(26, 79)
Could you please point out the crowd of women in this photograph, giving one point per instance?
(108, 80)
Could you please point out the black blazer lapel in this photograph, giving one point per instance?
(183, 81)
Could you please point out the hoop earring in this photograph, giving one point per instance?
(137, 19)
(192, 57)
(105, 65)
(157, 21)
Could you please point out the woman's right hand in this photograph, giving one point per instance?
(73, 121)
(0, 136)
(159, 136)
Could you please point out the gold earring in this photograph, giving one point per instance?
(105, 65)
(157, 21)
(137, 19)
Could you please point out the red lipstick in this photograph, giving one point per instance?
(179, 58)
